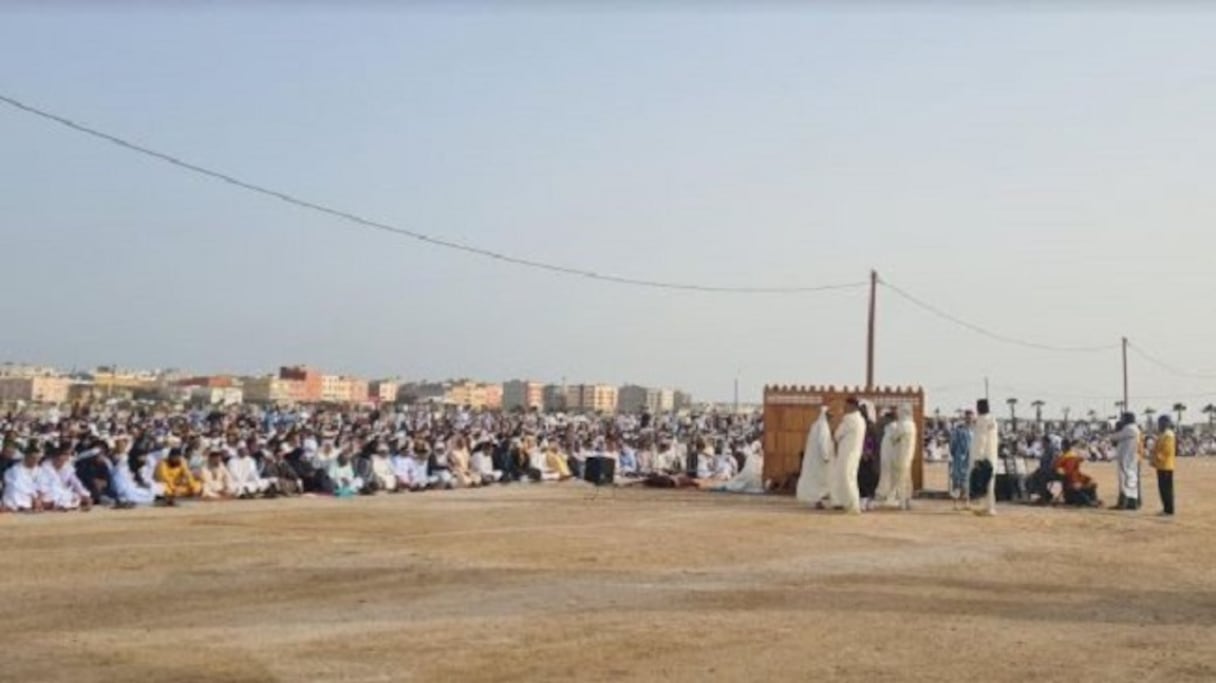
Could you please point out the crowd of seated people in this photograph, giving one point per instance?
(155, 455)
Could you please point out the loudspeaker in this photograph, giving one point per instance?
(599, 470)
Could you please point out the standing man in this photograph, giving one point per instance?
(850, 437)
(960, 454)
(904, 444)
(815, 482)
(985, 443)
(1127, 456)
(1164, 453)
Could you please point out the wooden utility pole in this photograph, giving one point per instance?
(1127, 407)
(870, 336)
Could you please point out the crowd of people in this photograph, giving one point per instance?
(1057, 473)
(155, 455)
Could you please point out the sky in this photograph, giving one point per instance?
(1045, 174)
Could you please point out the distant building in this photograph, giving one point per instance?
(422, 392)
(553, 397)
(24, 370)
(681, 400)
(358, 390)
(382, 391)
(519, 394)
(309, 379)
(35, 389)
(634, 399)
(473, 394)
(594, 398)
(271, 389)
(222, 396)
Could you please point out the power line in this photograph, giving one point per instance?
(989, 333)
(1166, 366)
(404, 232)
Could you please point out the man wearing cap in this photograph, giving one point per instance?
(985, 443)
(1127, 456)
(216, 480)
(849, 438)
(815, 481)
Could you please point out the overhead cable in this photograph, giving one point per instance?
(413, 234)
(989, 333)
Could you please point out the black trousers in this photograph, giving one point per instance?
(1165, 486)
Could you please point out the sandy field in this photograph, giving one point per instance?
(547, 582)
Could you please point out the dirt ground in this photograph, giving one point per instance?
(546, 582)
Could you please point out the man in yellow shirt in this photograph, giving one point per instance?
(1164, 453)
(176, 477)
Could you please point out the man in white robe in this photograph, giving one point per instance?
(247, 481)
(903, 442)
(985, 444)
(850, 438)
(815, 481)
(59, 485)
(1127, 459)
(886, 455)
(21, 484)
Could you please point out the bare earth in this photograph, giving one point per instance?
(530, 583)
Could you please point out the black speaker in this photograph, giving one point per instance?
(599, 470)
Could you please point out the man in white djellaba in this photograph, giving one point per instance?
(850, 437)
(985, 443)
(815, 482)
(903, 449)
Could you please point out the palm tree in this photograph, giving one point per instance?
(1013, 413)
(1210, 410)
(1038, 412)
(1148, 414)
(1179, 409)
(1092, 415)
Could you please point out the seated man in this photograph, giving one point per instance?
(175, 476)
(131, 488)
(409, 466)
(342, 474)
(481, 462)
(58, 484)
(216, 480)
(21, 483)
(382, 470)
(247, 481)
(1079, 489)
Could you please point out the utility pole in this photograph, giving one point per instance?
(870, 336)
(1127, 407)
(736, 394)
(986, 397)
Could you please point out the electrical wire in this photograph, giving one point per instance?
(412, 234)
(1166, 366)
(989, 333)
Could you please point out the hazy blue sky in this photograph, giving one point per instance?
(1048, 175)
